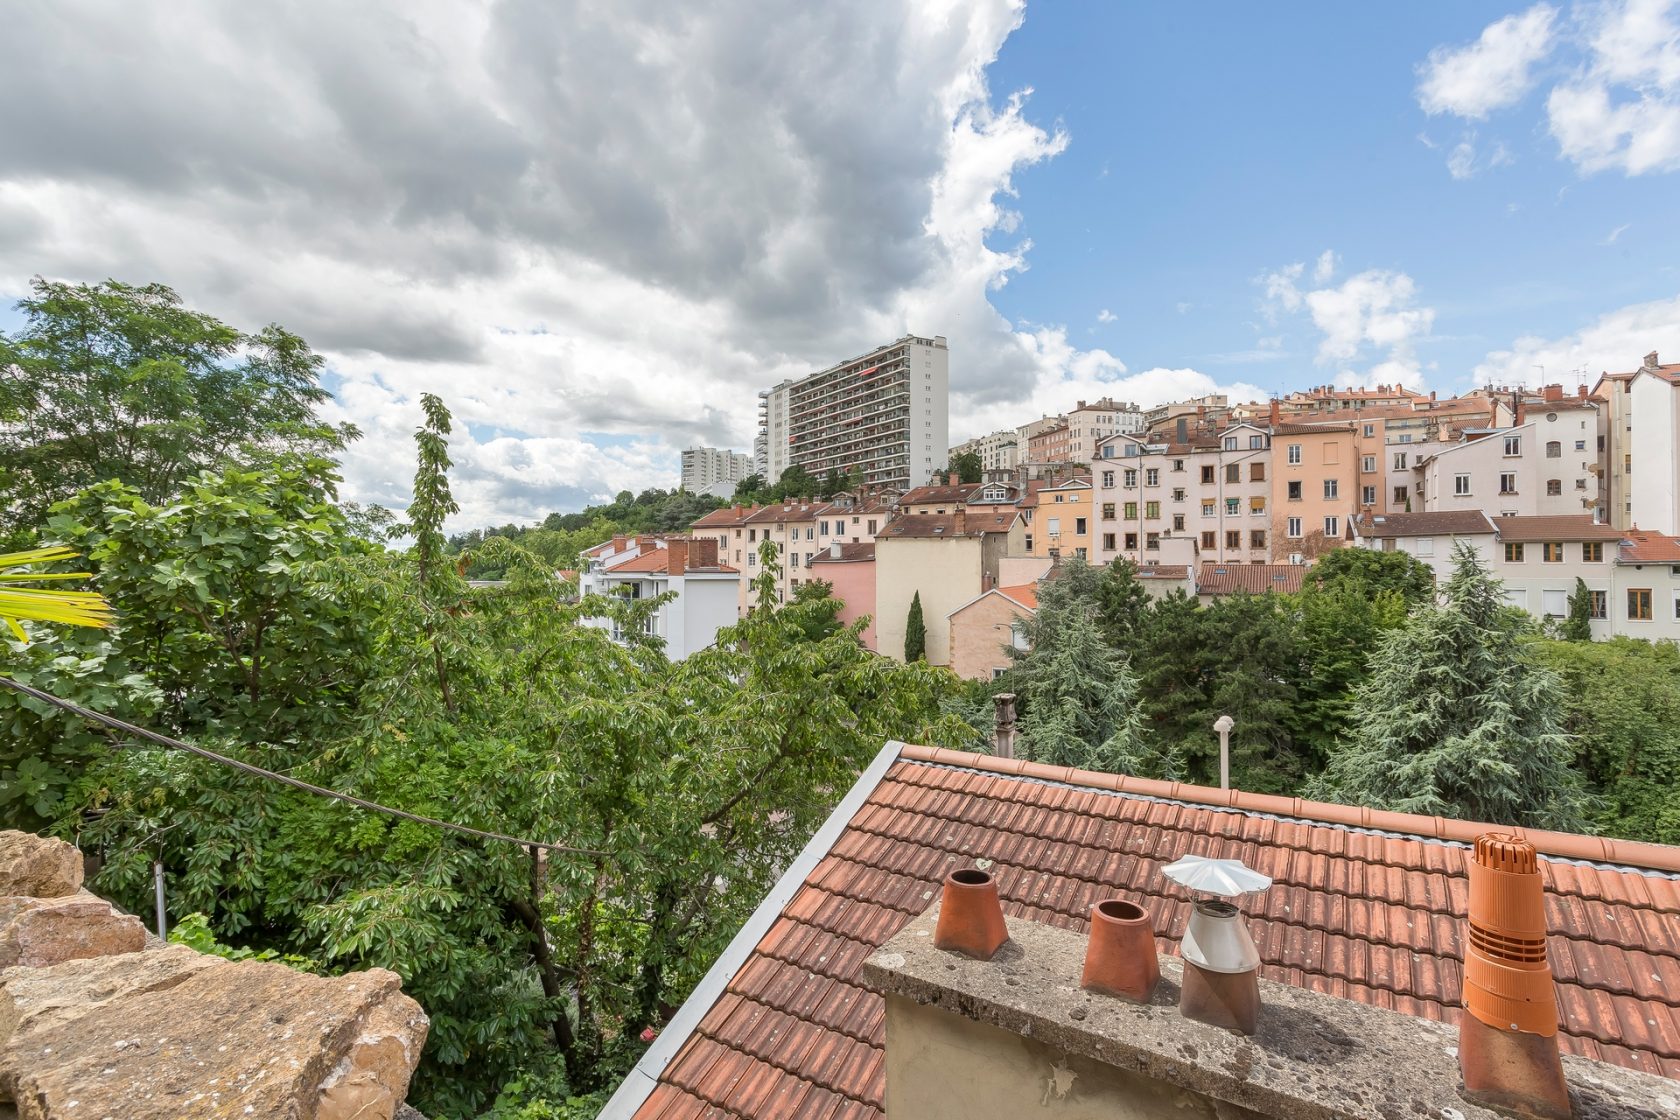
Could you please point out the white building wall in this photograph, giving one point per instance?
(1483, 463)
(1572, 432)
(1663, 581)
(1543, 588)
(1653, 442)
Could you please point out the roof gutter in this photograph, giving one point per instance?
(640, 1082)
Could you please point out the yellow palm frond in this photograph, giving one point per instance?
(19, 604)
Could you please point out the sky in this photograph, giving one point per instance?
(597, 229)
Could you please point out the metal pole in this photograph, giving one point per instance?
(157, 884)
(1223, 725)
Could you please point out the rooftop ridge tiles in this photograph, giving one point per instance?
(1602, 851)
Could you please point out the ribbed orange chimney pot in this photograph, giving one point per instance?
(1507, 1047)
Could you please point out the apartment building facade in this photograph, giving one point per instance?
(1315, 480)
(1089, 423)
(1061, 521)
(703, 589)
(1545, 467)
(883, 416)
(998, 451)
(1649, 449)
(712, 470)
(947, 560)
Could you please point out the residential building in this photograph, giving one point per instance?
(1650, 447)
(850, 570)
(1062, 521)
(948, 559)
(1214, 581)
(792, 527)
(1328, 398)
(1091, 423)
(1645, 587)
(710, 470)
(937, 498)
(1315, 481)
(703, 590)
(986, 627)
(1543, 467)
(1031, 428)
(1430, 536)
(1613, 392)
(1051, 445)
(883, 416)
(998, 451)
(1212, 407)
(1210, 485)
(728, 526)
(1539, 560)
(1365, 905)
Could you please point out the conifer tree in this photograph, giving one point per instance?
(915, 632)
(1458, 720)
(1578, 626)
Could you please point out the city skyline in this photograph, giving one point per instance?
(1143, 204)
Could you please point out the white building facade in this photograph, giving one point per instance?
(704, 591)
(714, 471)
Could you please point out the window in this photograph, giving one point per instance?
(1058, 498)
(1592, 552)
(1207, 507)
(1399, 460)
(1257, 538)
(1405, 437)
(1554, 604)
(1178, 464)
(1426, 546)
(1461, 485)
(1399, 495)
(1207, 539)
(1131, 511)
(1257, 507)
(1231, 506)
(1294, 453)
(1233, 472)
(1233, 538)
(1108, 541)
(793, 559)
(1230, 443)
(1551, 552)
(872, 526)
(1639, 604)
(1256, 443)
(1055, 527)
(1131, 542)
(1131, 478)
(1331, 486)
(1108, 511)
(1370, 430)
(1554, 487)
(1207, 475)
(1332, 527)
(1152, 541)
(1368, 495)
(1295, 490)
(1554, 449)
(1580, 445)
(1508, 483)
(1293, 528)
(1368, 464)
(1152, 476)
(1108, 479)
(1029, 543)
(1178, 494)
(1513, 552)
(752, 535)
(1598, 605)
(1178, 523)
(1513, 446)
(1580, 484)
(1152, 511)
(1079, 526)
(1257, 472)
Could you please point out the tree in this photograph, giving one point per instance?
(111, 381)
(915, 632)
(1123, 605)
(1458, 719)
(1370, 571)
(1578, 626)
(1337, 623)
(966, 467)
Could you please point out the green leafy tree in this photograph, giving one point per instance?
(1337, 624)
(1123, 605)
(1578, 626)
(115, 382)
(1458, 719)
(1371, 571)
(915, 632)
(965, 466)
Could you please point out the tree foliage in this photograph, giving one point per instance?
(1578, 626)
(115, 382)
(915, 631)
(966, 467)
(1458, 719)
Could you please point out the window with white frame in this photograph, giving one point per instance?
(1513, 446)
(1332, 527)
(1293, 528)
(1331, 488)
(1508, 483)
(1294, 453)
(1461, 485)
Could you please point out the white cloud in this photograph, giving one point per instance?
(1493, 72)
(1106, 316)
(1616, 234)
(1616, 341)
(1375, 311)
(558, 217)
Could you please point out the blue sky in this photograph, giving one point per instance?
(597, 228)
(1212, 143)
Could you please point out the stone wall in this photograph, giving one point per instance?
(99, 1019)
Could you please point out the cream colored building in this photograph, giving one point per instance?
(1212, 487)
(949, 560)
(985, 628)
(1315, 481)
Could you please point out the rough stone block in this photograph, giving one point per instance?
(53, 930)
(64, 991)
(38, 866)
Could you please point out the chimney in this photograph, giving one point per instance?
(1651, 360)
(959, 520)
(702, 553)
(1552, 393)
(1183, 429)
(1276, 412)
(1507, 1037)
(619, 543)
(1003, 725)
(676, 557)
(1431, 394)
(834, 550)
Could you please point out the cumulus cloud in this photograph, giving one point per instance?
(1493, 72)
(596, 229)
(1106, 316)
(1616, 341)
(1617, 106)
(1374, 313)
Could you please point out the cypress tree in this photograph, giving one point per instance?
(1578, 626)
(915, 632)
(1458, 720)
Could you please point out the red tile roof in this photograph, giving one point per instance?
(922, 495)
(1446, 522)
(1641, 547)
(929, 525)
(1256, 579)
(1163, 571)
(849, 553)
(1365, 905)
(726, 518)
(1025, 594)
(1567, 527)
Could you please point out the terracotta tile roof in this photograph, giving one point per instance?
(1572, 527)
(921, 495)
(1326, 427)
(849, 553)
(726, 518)
(1163, 571)
(1366, 905)
(779, 512)
(928, 525)
(1025, 594)
(647, 563)
(1256, 579)
(1641, 547)
(1439, 523)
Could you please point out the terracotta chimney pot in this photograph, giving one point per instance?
(1120, 956)
(970, 916)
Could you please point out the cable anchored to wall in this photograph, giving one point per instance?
(257, 771)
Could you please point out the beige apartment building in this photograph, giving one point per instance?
(1061, 520)
(949, 559)
(1315, 479)
(984, 629)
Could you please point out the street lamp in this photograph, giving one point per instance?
(1223, 725)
